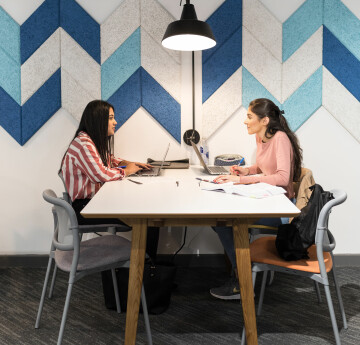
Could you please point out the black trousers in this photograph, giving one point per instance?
(152, 239)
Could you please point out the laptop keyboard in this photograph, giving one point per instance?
(217, 169)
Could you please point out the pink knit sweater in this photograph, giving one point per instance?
(274, 160)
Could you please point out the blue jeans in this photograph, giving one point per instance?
(226, 236)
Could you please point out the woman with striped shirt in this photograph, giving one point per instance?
(89, 161)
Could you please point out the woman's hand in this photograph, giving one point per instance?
(144, 165)
(132, 168)
(226, 178)
(239, 171)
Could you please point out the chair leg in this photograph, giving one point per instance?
(146, 316)
(53, 282)
(317, 289)
(66, 308)
(332, 315)
(262, 292)
(116, 291)
(41, 304)
(338, 293)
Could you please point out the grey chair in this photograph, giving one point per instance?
(265, 258)
(82, 258)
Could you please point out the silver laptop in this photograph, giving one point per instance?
(155, 171)
(210, 169)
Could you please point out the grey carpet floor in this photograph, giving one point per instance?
(291, 313)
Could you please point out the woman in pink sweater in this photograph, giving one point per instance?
(278, 162)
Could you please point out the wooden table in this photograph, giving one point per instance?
(175, 199)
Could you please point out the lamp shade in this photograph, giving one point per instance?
(188, 33)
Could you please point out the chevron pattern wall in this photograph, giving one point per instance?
(62, 57)
(310, 60)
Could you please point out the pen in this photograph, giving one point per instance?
(242, 159)
(122, 167)
(200, 179)
(137, 182)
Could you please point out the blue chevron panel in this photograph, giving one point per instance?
(224, 22)
(81, 27)
(343, 24)
(301, 25)
(341, 63)
(222, 64)
(304, 101)
(38, 27)
(160, 105)
(10, 79)
(9, 36)
(121, 65)
(10, 115)
(41, 106)
(127, 99)
(252, 89)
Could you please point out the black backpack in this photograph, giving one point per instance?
(293, 240)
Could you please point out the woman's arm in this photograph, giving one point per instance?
(281, 177)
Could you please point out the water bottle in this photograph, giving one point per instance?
(204, 150)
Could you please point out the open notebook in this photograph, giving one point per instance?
(256, 190)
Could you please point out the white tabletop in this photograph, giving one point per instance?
(161, 196)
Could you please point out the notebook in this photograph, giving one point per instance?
(155, 171)
(210, 169)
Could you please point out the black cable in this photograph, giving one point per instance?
(182, 246)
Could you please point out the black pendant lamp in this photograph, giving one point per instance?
(188, 33)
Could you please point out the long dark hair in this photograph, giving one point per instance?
(95, 121)
(264, 107)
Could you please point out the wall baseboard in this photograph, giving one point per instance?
(186, 260)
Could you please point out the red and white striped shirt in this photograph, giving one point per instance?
(83, 170)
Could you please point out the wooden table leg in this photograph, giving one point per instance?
(137, 258)
(243, 262)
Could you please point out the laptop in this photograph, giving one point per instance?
(155, 171)
(210, 169)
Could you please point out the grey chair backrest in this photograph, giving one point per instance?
(324, 240)
(66, 194)
(66, 232)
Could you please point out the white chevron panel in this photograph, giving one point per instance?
(341, 104)
(80, 65)
(74, 97)
(155, 19)
(282, 9)
(165, 70)
(302, 64)
(12, 7)
(222, 104)
(99, 13)
(263, 26)
(261, 64)
(353, 6)
(118, 27)
(40, 66)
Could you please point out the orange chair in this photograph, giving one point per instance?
(265, 258)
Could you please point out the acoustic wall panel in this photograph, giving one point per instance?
(60, 46)
(319, 35)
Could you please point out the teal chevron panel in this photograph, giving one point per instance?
(10, 79)
(9, 36)
(301, 25)
(158, 102)
(343, 24)
(41, 106)
(304, 101)
(127, 99)
(253, 89)
(10, 115)
(121, 65)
